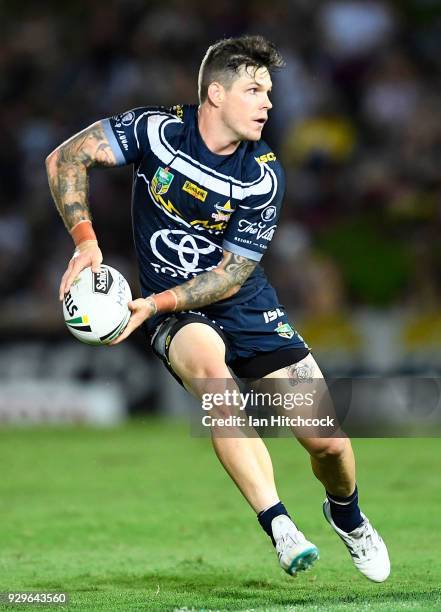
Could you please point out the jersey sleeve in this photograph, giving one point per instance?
(253, 223)
(127, 133)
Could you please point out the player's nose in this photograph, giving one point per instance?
(268, 104)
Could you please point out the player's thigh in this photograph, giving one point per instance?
(305, 394)
(304, 371)
(302, 378)
(197, 356)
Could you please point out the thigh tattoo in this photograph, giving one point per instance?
(300, 372)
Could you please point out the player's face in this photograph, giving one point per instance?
(246, 104)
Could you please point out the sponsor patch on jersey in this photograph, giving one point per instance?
(266, 157)
(180, 250)
(195, 191)
(258, 230)
(161, 181)
(269, 213)
(284, 330)
(128, 118)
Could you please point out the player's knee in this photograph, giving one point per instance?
(206, 380)
(330, 448)
(216, 369)
(207, 370)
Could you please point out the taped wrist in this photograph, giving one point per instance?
(166, 301)
(82, 231)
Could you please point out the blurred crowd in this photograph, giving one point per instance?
(356, 122)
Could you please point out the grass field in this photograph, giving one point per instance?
(143, 518)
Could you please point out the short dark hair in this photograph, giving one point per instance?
(224, 59)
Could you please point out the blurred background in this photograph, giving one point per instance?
(356, 123)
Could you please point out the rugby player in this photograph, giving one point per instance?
(207, 193)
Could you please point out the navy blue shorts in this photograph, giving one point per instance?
(257, 334)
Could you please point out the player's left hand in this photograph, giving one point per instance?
(142, 309)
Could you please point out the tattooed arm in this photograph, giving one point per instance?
(67, 170)
(206, 288)
(222, 282)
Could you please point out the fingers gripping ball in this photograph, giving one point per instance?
(95, 309)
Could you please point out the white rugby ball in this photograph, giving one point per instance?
(95, 308)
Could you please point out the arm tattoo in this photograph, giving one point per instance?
(67, 169)
(212, 286)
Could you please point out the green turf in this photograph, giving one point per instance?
(143, 518)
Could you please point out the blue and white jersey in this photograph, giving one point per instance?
(189, 203)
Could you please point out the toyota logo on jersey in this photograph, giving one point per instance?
(181, 250)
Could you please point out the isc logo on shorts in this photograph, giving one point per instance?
(272, 315)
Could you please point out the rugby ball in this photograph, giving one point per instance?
(95, 308)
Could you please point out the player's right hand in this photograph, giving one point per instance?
(87, 254)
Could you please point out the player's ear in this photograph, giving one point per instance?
(216, 93)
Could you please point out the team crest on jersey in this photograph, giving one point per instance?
(285, 330)
(223, 212)
(161, 181)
